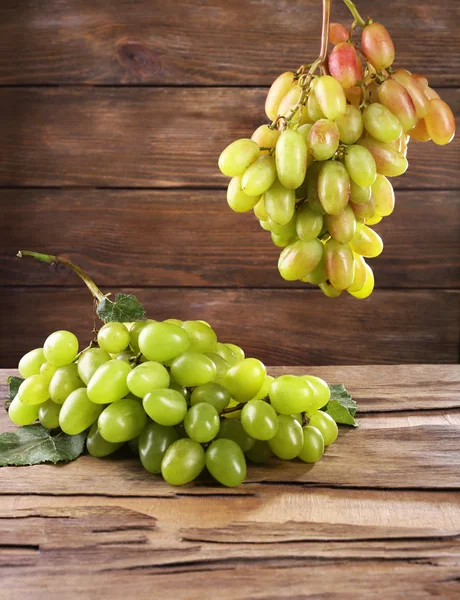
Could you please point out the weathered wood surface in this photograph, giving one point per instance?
(211, 43)
(164, 238)
(104, 528)
(297, 326)
(155, 137)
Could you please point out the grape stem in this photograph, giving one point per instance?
(60, 260)
(354, 11)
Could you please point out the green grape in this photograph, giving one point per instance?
(363, 211)
(202, 422)
(202, 337)
(63, 382)
(177, 322)
(78, 412)
(389, 161)
(133, 445)
(113, 337)
(97, 445)
(181, 389)
(287, 230)
(226, 353)
(135, 332)
(359, 194)
(154, 440)
(259, 453)
(313, 108)
(183, 462)
(34, 390)
(325, 425)
(237, 157)
(381, 123)
(193, 368)
(244, 380)
(60, 348)
(280, 203)
(304, 130)
(166, 407)
(127, 356)
(333, 187)
(321, 392)
(384, 196)
(290, 394)
(260, 211)
(342, 227)
(31, 363)
(265, 389)
(318, 275)
(309, 224)
(312, 188)
(331, 97)
(299, 258)
(231, 429)
(291, 159)
(340, 264)
(226, 463)
(89, 361)
(212, 393)
(163, 341)
(259, 420)
(147, 377)
(48, 371)
(329, 290)
(259, 177)
(265, 225)
(366, 242)
(23, 414)
(237, 199)
(48, 414)
(368, 286)
(323, 139)
(281, 241)
(180, 430)
(313, 445)
(220, 364)
(122, 421)
(108, 383)
(360, 274)
(350, 125)
(237, 351)
(288, 441)
(360, 165)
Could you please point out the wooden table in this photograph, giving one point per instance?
(379, 516)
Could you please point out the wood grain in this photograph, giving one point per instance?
(160, 137)
(296, 327)
(213, 43)
(191, 238)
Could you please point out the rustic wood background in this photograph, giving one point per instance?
(112, 116)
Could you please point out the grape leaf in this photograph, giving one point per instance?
(341, 406)
(33, 445)
(13, 387)
(125, 309)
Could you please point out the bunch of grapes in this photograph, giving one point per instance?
(182, 399)
(317, 176)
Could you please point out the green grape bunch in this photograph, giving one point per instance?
(181, 399)
(318, 176)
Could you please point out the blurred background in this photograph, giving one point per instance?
(112, 116)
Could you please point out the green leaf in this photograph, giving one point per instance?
(34, 445)
(341, 407)
(125, 309)
(13, 387)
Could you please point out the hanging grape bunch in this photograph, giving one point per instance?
(317, 177)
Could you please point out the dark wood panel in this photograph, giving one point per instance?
(211, 42)
(192, 238)
(162, 137)
(291, 327)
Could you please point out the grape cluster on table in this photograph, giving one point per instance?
(317, 176)
(182, 400)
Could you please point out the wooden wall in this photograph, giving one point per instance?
(112, 116)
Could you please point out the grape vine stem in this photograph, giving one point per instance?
(60, 260)
(354, 11)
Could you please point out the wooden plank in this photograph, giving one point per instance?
(285, 326)
(218, 42)
(93, 226)
(409, 389)
(152, 137)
